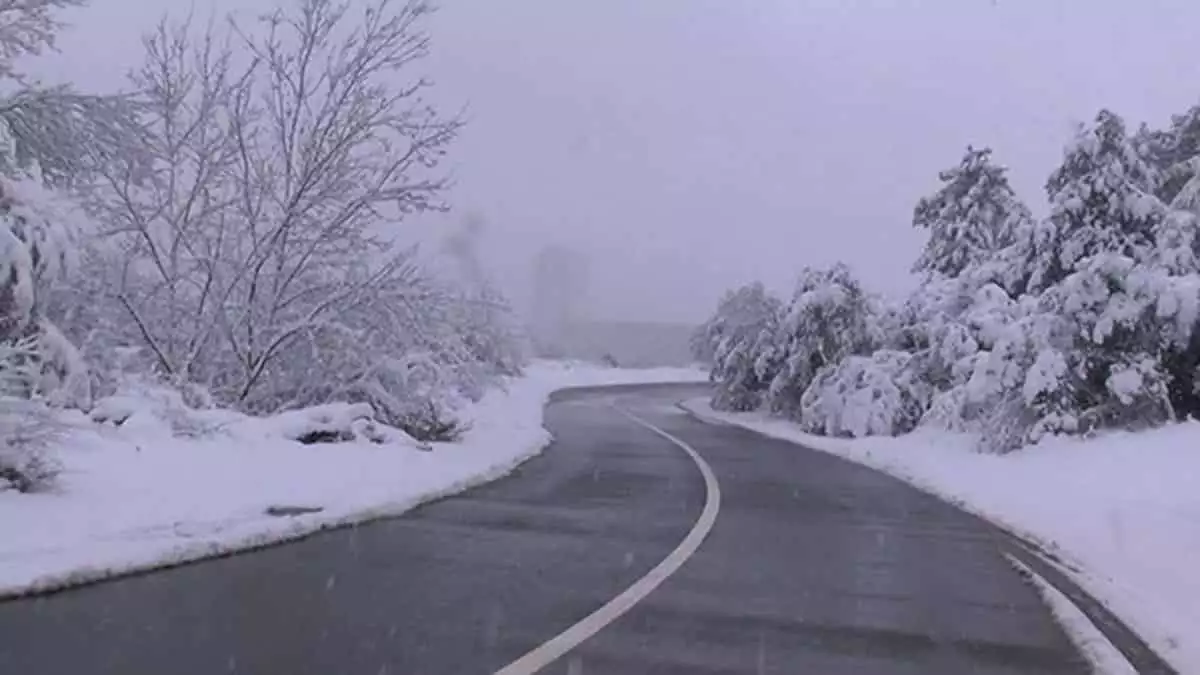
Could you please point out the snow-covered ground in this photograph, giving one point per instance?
(137, 496)
(1123, 508)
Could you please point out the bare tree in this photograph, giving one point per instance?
(345, 152)
(247, 236)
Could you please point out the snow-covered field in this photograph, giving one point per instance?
(1123, 508)
(136, 496)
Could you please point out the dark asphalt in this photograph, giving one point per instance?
(815, 565)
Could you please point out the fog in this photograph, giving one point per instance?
(689, 145)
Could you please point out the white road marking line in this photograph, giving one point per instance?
(1104, 657)
(556, 647)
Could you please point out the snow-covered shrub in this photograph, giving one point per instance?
(944, 322)
(828, 319)
(37, 242)
(1088, 353)
(27, 431)
(432, 423)
(743, 369)
(27, 427)
(418, 393)
(1129, 317)
(38, 365)
(142, 402)
(733, 341)
(1020, 386)
(335, 423)
(875, 395)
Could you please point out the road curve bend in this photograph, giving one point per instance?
(806, 564)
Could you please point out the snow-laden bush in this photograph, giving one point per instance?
(743, 370)
(39, 367)
(27, 427)
(1088, 353)
(27, 432)
(1129, 318)
(733, 342)
(337, 423)
(1020, 380)
(877, 395)
(828, 319)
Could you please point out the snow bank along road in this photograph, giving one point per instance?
(769, 559)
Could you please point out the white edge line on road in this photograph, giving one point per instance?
(556, 647)
(1104, 657)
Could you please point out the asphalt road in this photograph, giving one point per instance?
(814, 565)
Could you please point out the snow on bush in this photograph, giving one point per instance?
(828, 319)
(732, 342)
(157, 409)
(336, 423)
(39, 367)
(27, 427)
(875, 395)
(28, 431)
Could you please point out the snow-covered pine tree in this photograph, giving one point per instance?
(1175, 154)
(1101, 274)
(1102, 200)
(972, 217)
(1171, 151)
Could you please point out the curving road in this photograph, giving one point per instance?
(812, 565)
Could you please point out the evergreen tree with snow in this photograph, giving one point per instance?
(1107, 277)
(1102, 201)
(1171, 152)
(972, 217)
(1175, 154)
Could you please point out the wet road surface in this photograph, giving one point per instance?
(814, 565)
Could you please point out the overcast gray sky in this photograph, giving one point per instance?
(690, 145)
